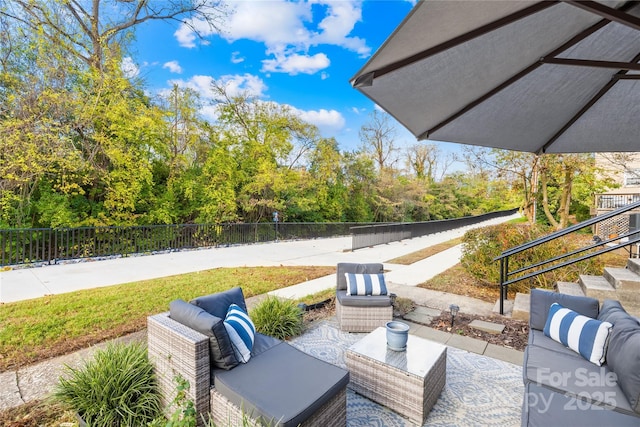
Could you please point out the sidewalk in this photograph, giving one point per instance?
(36, 381)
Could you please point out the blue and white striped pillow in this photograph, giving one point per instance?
(582, 334)
(366, 284)
(241, 331)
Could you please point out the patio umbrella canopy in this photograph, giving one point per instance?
(554, 77)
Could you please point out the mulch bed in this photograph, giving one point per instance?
(514, 336)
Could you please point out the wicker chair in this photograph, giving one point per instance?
(360, 313)
(175, 349)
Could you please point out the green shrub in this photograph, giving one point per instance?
(278, 318)
(184, 414)
(115, 388)
(482, 245)
(403, 306)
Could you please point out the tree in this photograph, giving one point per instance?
(377, 137)
(558, 175)
(36, 87)
(269, 143)
(359, 178)
(91, 33)
(427, 163)
(79, 140)
(325, 169)
(518, 168)
(185, 127)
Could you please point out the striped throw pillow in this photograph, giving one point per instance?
(366, 284)
(241, 331)
(584, 335)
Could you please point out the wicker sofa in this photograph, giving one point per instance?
(360, 313)
(564, 388)
(279, 385)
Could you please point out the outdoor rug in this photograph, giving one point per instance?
(480, 391)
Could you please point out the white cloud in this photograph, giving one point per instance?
(324, 75)
(129, 68)
(186, 33)
(210, 113)
(335, 28)
(294, 64)
(328, 121)
(234, 84)
(173, 67)
(236, 58)
(288, 29)
(275, 23)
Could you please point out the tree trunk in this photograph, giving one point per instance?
(545, 200)
(565, 200)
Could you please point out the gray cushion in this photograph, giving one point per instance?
(349, 267)
(218, 303)
(623, 357)
(542, 407)
(542, 300)
(612, 311)
(572, 375)
(283, 386)
(263, 343)
(221, 352)
(363, 300)
(538, 338)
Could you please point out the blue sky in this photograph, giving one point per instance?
(298, 53)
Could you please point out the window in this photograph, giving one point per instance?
(632, 177)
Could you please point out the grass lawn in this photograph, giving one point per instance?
(457, 280)
(45, 327)
(425, 253)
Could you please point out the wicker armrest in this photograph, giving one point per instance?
(175, 349)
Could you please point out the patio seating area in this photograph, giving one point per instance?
(327, 376)
(479, 390)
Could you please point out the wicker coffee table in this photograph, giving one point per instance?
(408, 382)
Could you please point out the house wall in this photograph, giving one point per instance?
(623, 168)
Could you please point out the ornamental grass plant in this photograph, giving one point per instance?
(483, 245)
(115, 388)
(278, 318)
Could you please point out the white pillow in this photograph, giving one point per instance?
(241, 331)
(366, 284)
(584, 335)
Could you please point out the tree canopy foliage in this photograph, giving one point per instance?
(82, 143)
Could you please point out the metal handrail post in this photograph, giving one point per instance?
(501, 282)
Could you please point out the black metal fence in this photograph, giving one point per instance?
(377, 234)
(47, 245)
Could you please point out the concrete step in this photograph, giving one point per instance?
(630, 300)
(597, 287)
(508, 307)
(521, 307)
(489, 327)
(622, 278)
(633, 264)
(569, 288)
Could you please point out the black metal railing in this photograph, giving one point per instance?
(378, 234)
(614, 201)
(47, 245)
(599, 247)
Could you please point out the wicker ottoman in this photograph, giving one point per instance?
(408, 382)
